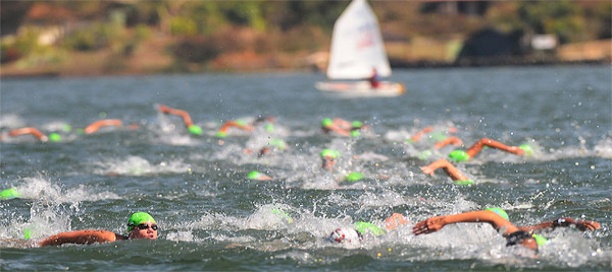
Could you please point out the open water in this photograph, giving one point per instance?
(213, 218)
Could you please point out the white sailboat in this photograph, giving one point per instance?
(357, 49)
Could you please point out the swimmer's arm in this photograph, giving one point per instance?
(436, 223)
(448, 168)
(81, 237)
(183, 114)
(582, 225)
(95, 126)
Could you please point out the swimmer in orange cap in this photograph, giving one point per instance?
(192, 128)
(141, 225)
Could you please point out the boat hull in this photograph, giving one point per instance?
(361, 88)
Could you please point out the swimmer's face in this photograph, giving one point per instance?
(530, 243)
(328, 163)
(146, 230)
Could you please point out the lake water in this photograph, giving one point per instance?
(213, 218)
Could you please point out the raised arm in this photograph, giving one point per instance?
(95, 126)
(183, 114)
(448, 168)
(29, 130)
(81, 237)
(582, 225)
(436, 223)
(450, 140)
(477, 147)
(416, 137)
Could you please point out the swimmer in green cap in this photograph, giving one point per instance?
(460, 155)
(356, 233)
(29, 131)
(9, 194)
(241, 124)
(342, 127)
(457, 176)
(189, 125)
(256, 175)
(329, 156)
(141, 225)
(498, 218)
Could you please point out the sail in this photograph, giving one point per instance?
(357, 45)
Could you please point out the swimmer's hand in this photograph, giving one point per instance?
(582, 225)
(429, 225)
(428, 170)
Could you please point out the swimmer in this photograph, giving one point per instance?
(437, 136)
(256, 175)
(457, 176)
(240, 124)
(460, 155)
(141, 225)
(359, 229)
(342, 127)
(97, 125)
(328, 156)
(499, 220)
(192, 128)
(29, 131)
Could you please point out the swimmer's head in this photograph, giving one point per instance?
(355, 133)
(357, 124)
(499, 211)
(9, 193)
(354, 177)
(364, 227)
(527, 149)
(459, 155)
(195, 130)
(326, 122)
(329, 153)
(523, 238)
(466, 182)
(221, 134)
(344, 235)
(540, 240)
(139, 218)
(54, 137)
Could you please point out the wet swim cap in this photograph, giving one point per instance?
(354, 176)
(330, 153)
(459, 155)
(54, 137)
(357, 124)
(463, 182)
(355, 133)
(242, 123)
(344, 235)
(139, 218)
(327, 122)
(195, 130)
(278, 143)
(540, 240)
(269, 127)
(67, 128)
(9, 193)
(27, 234)
(221, 134)
(499, 211)
(283, 214)
(363, 227)
(527, 149)
(255, 175)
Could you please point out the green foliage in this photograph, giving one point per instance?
(563, 18)
(183, 26)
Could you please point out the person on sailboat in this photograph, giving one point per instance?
(141, 225)
(374, 79)
(498, 219)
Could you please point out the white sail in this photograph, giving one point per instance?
(357, 45)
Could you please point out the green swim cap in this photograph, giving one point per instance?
(354, 176)
(284, 214)
(327, 122)
(79, 131)
(139, 218)
(355, 133)
(27, 234)
(425, 154)
(438, 136)
(67, 128)
(278, 143)
(221, 134)
(357, 124)
(540, 240)
(195, 130)
(362, 227)
(9, 193)
(269, 127)
(410, 141)
(463, 182)
(499, 211)
(330, 153)
(54, 137)
(459, 155)
(527, 149)
(254, 175)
